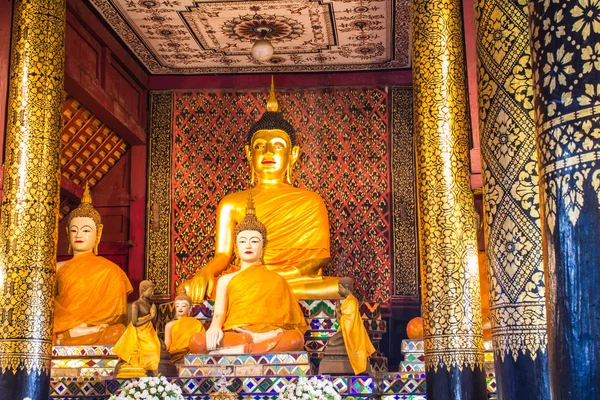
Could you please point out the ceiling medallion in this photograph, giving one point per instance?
(251, 27)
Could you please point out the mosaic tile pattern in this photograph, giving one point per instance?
(412, 346)
(84, 363)
(404, 397)
(246, 359)
(82, 351)
(406, 366)
(396, 384)
(76, 387)
(188, 371)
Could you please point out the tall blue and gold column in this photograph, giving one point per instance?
(29, 227)
(565, 40)
(449, 268)
(511, 200)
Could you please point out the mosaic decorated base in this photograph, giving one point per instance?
(246, 359)
(404, 397)
(414, 357)
(188, 371)
(257, 388)
(82, 372)
(82, 352)
(412, 346)
(392, 384)
(406, 366)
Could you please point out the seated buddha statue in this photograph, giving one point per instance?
(91, 301)
(296, 219)
(179, 331)
(255, 310)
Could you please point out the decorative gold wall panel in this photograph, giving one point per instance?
(28, 231)
(406, 263)
(158, 240)
(511, 192)
(449, 268)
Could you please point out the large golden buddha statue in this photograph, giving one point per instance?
(296, 219)
(91, 303)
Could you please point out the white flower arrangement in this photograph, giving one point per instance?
(310, 389)
(149, 388)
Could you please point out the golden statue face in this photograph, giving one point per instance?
(250, 246)
(271, 153)
(82, 234)
(182, 308)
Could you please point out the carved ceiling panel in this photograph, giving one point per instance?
(202, 37)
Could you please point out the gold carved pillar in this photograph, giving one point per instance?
(511, 199)
(28, 229)
(449, 266)
(565, 53)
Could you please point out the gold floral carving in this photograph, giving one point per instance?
(406, 263)
(158, 240)
(29, 227)
(511, 193)
(449, 271)
(566, 58)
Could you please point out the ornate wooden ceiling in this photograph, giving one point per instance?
(202, 37)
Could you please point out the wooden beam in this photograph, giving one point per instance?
(70, 190)
(245, 81)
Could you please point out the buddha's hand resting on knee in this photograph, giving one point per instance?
(213, 338)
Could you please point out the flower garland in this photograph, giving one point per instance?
(310, 389)
(149, 388)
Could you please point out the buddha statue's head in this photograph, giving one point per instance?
(271, 146)
(250, 236)
(84, 226)
(183, 305)
(345, 287)
(147, 289)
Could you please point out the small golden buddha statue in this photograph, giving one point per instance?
(351, 339)
(140, 340)
(179, 331)
(91, 301)
(296, 219)
(255, 310)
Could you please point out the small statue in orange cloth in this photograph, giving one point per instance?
(179, 331)
(140, 337)
(352, 337)
(255, 309)
(91, 302)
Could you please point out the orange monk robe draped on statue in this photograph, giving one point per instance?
(91, 290)
(356, 338)
(145, 339)
(297, 226)
(181, 332)
(260, 300)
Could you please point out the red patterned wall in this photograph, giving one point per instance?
(343, 134)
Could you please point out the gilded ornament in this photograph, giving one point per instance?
(28, 231)
(511, 194)
(449, 274)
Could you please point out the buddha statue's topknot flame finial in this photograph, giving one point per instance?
(272, 104)
(86, 209)
(251, 222)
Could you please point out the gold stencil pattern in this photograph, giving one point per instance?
(158, 241)
(449, 267)
(511, 192)
(406, 263)
(565, 58)
(29, 228)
